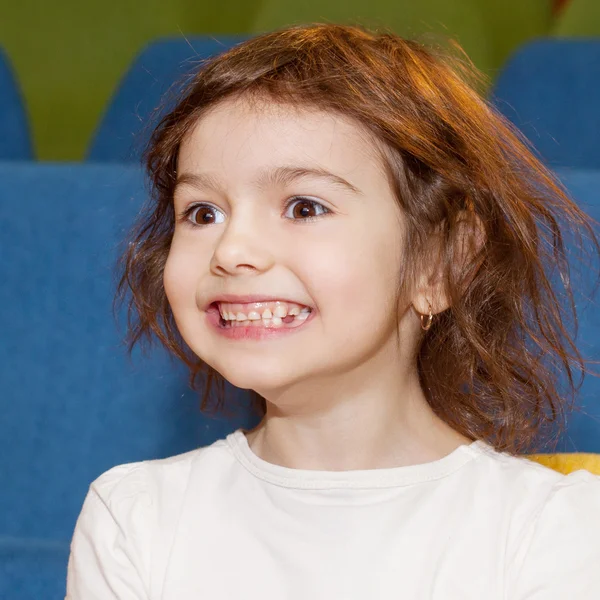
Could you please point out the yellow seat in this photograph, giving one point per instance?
(568, 462)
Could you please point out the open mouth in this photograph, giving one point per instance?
(267, 315)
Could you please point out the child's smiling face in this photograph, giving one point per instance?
(345, 263)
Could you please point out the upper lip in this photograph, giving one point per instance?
(246, 299)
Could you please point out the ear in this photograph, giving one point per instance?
(467, 238)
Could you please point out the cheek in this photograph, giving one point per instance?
(178, 279)
(357, 280)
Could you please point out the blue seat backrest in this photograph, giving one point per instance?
(32, 568)
(550, 89)
(151, 86)
(72, 403)
(15, 136)
(583, 426)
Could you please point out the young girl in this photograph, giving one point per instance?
(344, 227)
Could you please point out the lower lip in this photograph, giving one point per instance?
(252, 333)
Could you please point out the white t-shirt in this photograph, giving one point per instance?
(220, 523)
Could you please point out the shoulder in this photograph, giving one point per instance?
(123, 528)
(555, 529)
(570, 512)
(532, 486)
(551, 524)
(518, 474)
(560, 551)
(150, 482)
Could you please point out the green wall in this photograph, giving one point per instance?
(580, 18)
(70, 54)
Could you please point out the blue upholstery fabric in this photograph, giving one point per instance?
(150, 87)
(72, 403)
(15, 137)
(583, 427)
(550, 89)
(33, 569)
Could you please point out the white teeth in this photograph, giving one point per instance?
(275, 318)
(280, 311)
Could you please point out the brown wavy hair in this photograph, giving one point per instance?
(501, 363)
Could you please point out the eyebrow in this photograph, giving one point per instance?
(278, 176)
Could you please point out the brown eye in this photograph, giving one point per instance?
(204, 215)
(305, 209)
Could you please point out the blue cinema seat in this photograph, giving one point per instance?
(151, 85)
(583, 427)
(72, 403)
(550, 89)
(15, 137)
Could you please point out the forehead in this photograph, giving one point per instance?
(239, 136)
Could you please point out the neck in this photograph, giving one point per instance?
(368, 419)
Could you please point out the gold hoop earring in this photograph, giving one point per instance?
(426, 324)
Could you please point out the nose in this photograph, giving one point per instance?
(244, 246)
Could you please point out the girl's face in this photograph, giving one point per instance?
(290, 204)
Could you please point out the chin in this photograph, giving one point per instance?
(263, 384)
(263, 378)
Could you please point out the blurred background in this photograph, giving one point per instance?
(69, 56)
(80, 86)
